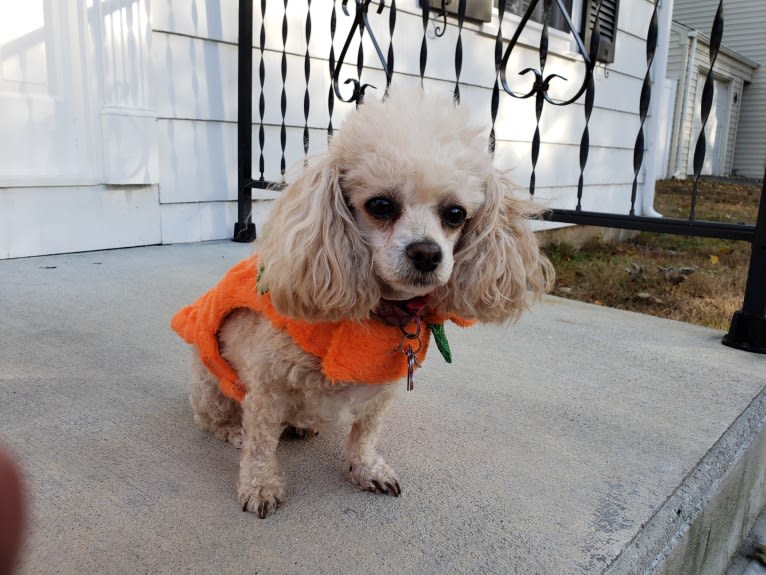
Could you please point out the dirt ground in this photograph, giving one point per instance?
(696, 280)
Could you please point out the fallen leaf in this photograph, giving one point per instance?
(714, 259)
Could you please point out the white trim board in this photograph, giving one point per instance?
(36, 221)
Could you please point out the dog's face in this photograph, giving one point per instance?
(406, 202)
(413, 172)
(411, 222)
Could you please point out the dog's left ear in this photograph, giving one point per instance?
(317, 267)
(498, 263)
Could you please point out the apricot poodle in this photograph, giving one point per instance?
(402, 224)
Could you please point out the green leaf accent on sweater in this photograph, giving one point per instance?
(440, 337)
(262, 289)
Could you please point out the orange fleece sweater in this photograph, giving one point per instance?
(362, 352)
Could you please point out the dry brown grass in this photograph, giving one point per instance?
(696, 280)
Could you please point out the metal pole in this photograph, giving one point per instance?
(748, 326)
(244, 228)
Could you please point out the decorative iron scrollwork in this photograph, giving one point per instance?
(361, 24)
(542, 82)
(440, 29)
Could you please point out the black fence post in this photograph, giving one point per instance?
(244, 228)
(748, 326)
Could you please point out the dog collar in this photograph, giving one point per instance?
(403, 314)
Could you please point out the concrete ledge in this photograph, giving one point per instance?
(703, 523)
(565, 444)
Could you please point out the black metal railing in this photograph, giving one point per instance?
(748, 327)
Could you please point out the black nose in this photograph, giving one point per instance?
(426, 255)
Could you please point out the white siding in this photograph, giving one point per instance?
(45, 92)
(162, 114)
(744, 25)
(78, 157)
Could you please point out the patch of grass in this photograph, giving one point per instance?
(696, 280)
(717, 200)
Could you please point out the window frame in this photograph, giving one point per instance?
(573, 4)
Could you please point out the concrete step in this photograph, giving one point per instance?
(583, 440)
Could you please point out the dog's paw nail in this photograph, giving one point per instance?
(264, 509)
(263, 502)
(375, 478)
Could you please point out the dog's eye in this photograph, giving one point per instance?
(382, 208)
(454, 216)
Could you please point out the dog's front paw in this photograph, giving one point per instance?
(377, 477)
(261, 499)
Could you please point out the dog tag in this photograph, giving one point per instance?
(411, 363)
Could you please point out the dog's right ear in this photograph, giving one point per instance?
(317, 267)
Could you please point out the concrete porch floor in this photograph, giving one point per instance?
(581, 440)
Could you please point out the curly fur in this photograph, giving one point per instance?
(406, 202)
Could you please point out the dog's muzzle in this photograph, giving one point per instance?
(425, 255)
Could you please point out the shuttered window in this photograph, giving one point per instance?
(607, 17)
(482, 10)
(607, 26)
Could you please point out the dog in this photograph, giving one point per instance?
(402, 224)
